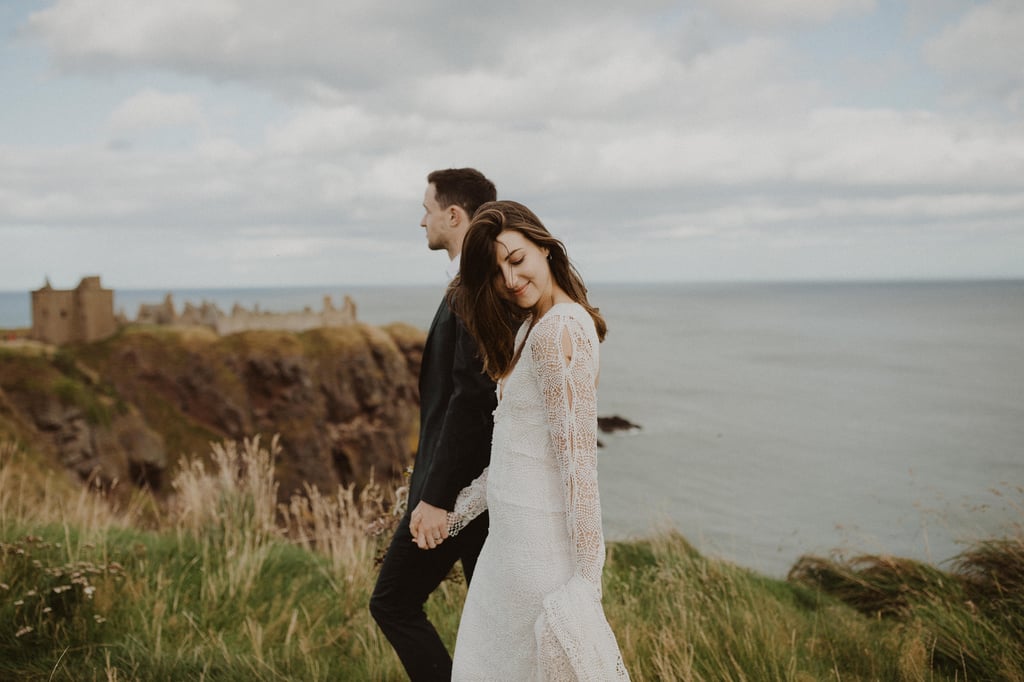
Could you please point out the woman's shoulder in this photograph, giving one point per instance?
(568, 315)
(561, 313)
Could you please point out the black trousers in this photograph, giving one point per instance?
(407, 577)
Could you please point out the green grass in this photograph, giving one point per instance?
(970, 618)
(228, 585)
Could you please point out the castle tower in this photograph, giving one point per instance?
(82, 314)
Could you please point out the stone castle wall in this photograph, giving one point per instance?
(79, 315)
(243, 319)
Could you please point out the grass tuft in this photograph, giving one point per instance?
(969, 622)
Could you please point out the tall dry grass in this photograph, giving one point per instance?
(226, 583)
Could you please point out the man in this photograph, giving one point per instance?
(456, 404)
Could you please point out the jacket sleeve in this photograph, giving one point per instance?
(463, 448)
(568, 383)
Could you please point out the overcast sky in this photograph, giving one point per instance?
(191, 143)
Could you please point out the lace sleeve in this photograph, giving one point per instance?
(470, 503)
(566, 358)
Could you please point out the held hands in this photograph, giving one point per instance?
(428, 525)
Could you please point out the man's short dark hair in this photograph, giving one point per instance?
(463, 187)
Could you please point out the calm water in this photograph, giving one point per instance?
(780, 420)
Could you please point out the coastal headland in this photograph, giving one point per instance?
(128, 409)
(209, 552)
(131, 408)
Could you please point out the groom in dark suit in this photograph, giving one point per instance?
(456, 404)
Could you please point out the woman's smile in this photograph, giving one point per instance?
(523, 271)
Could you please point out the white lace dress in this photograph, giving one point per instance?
(533, 610)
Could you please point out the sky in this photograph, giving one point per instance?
(237, 143)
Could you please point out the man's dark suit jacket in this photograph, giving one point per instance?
(457, 402)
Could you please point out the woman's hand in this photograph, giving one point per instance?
(428, 525)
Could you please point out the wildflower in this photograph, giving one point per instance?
(48, 609)
(31, 593)
(4, 586)
(24, 631)
(89, 591)
(61, 588)
(98, 618)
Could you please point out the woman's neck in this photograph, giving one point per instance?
(546, 303)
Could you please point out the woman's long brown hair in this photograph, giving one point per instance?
(475, 297)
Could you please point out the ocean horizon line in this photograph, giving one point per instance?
(597, 282)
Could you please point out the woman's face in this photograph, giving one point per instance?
(524, 275)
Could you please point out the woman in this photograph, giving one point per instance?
(533, 610)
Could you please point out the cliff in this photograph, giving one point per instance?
(344, 400)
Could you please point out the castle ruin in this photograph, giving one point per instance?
(86, 313)
(79, 315)
(243, 319)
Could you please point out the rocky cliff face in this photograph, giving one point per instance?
(344, 400)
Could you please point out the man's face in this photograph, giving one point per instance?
(435, 220)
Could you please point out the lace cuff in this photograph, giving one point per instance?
(471, 503)
(574, 640)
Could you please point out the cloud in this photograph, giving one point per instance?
(151, 109)
(320, 46)
(784, 12)
(293, 144)
(982, 55)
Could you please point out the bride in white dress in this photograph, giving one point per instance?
(533, 610)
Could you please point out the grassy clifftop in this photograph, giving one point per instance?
(227, 585)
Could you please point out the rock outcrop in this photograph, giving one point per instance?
(62, 411)
(615, 423)
(344, 401)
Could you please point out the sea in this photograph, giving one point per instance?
(782, 419)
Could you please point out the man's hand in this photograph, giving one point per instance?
(428, 525)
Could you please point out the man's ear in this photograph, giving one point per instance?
(456, 214)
